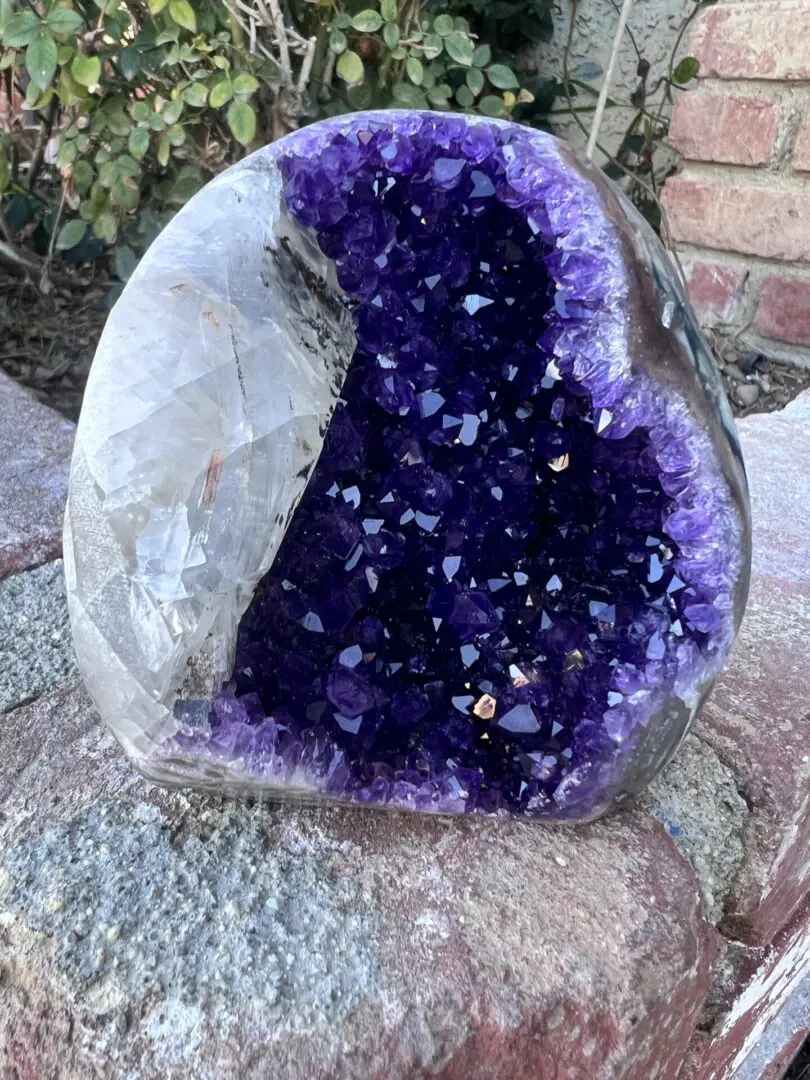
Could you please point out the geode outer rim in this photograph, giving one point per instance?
(579, 220)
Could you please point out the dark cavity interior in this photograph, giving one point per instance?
(475, 580)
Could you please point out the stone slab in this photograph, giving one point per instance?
(35, 446)
(697, 799)
(37, 654)
(766, 1015)
(758, 717)
(162, 934)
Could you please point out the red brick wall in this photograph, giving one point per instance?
(740, 206)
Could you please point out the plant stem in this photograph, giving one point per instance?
(608, 78)
(45, 128)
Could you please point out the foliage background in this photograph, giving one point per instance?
(131, 105)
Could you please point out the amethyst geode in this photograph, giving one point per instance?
(451, 516)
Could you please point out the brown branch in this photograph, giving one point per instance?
(29, 266)
(45, 128)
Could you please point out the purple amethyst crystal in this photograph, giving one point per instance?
(521, 555)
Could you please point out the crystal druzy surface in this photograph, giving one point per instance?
(519, 558)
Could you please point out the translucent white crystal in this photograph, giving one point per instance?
(204, 414)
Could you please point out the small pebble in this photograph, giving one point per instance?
(746, 394)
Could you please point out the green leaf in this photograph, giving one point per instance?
(195, 95)
(105, 227)
(8, 59)
(139, 142)
(71, 234)
(359, 96)
(440, 95)
(156, 122)
(108, 174)
(433, 46)
(459, 48)
(63, 20)
(125, 261)
(338, 42)
(391, 34)
(156, 6)
(221, 93)
(37, 99)
(502, 77)
(482, 55)
(86, 70)
(176, 134)
(399, 53)
(125, 193)
(416, 72)
(409, 95)
(172, 111)
(443, 25)
(40, 60)
(367, 21)
(163, 151)
(184, 188)
(127, 166)
(82, 175)
(389, 10)
(242, 122)
(21, 29)
(129, 63)
(165, 36)
(492, 105)
(117, 120)
(461, 24)
(350, 67)
(686, 70)
(244, 83)
(66, 153)
(475, 81)
(182, 13)
(465, 97)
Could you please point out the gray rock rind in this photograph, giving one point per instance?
(147, 933)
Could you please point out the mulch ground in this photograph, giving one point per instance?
(47, 342)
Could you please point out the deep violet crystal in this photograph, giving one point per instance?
(427, 494)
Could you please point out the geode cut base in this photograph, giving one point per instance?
(404, 478)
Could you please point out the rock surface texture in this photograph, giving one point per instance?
(155, 934)
(35, 446)
(196, 938)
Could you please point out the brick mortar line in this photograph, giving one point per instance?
(742, 81)
(736, 260)
(774, 5)
(762, 177)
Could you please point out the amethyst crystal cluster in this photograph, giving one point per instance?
(520, 555)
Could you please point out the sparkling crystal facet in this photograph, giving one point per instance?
(404, 478)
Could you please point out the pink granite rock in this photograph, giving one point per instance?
(766, 1014)
(758, 718)
(35, 445)
(156, 934)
